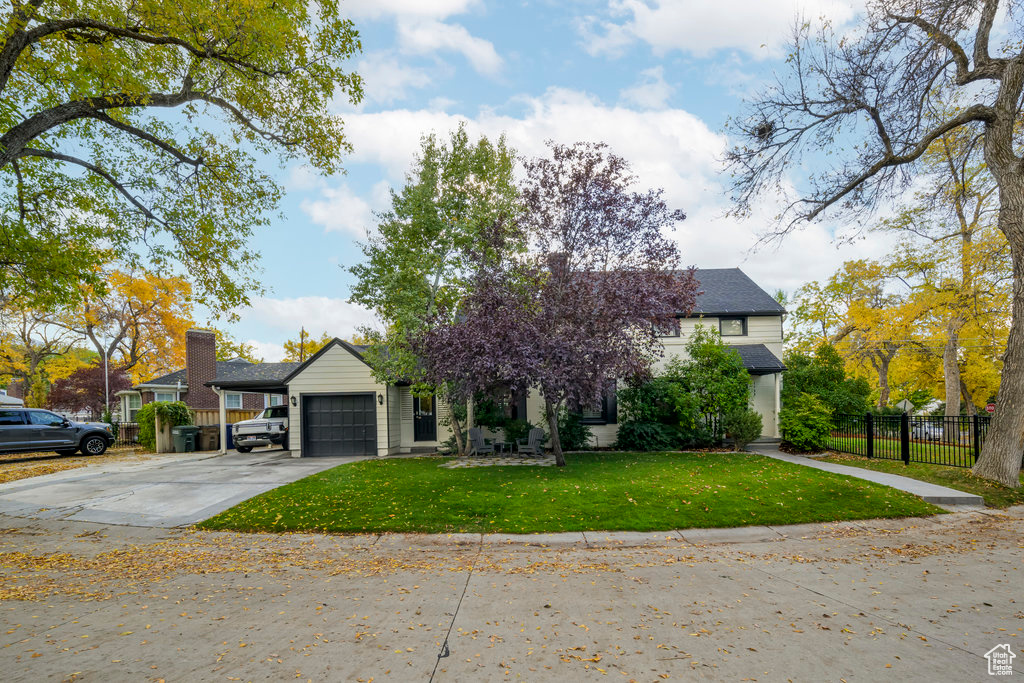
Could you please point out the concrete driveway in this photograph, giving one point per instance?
(166, 492)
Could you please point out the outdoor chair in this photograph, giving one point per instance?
(477, 444)
(531, 445)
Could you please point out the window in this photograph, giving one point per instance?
(274, 400)
(133, 403)
(11, 417)
(275, 412)
(233, 401)
(732, 327)
(669, 328)
(163, 396)
(45, 419)
(606, 414)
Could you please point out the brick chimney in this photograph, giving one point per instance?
(200, 367)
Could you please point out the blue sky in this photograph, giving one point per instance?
(655, 79)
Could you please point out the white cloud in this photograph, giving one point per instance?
(651, 92)
(700, 27)
(339, 209)
(425, 36)
(268, 351)
(436, 9)
(387, 79)
(668, 148)
(316, 313)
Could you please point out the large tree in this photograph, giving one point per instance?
(582, 309)
(873, 99)
(130, 131)
(137, 321)
(421, 259)
(35, 353)
(91, 387)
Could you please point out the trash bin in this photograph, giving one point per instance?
(209, 436)
(231, 441)
(184, 438)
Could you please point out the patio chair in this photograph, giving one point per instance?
(532, 444)
(478, 444)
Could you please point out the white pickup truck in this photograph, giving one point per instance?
(269, 427)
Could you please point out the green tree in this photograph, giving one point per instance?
(712, 372)
(130, 130)
(228, 348)
(420, 260)
(823, 375)
(305, 346)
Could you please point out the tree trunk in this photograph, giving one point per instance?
(460, 446)
(883, 377)
(551, 410)
(1001, 455)
(951, 367)
(969, 404)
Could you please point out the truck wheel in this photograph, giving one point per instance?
(243, 449)
(94, 445)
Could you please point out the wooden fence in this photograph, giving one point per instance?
(212, 417)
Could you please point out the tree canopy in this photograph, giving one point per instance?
(877, 99)
(129, 132)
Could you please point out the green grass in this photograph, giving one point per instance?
(595, 491)
(923, 451)
(959, 478)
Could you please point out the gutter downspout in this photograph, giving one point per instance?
(778, 402)
(223, 420)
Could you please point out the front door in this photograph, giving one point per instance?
(424, 419)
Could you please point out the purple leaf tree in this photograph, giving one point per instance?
(582, 308)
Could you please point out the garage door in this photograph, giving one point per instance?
(339, 425)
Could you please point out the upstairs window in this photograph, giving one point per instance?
(732, 327)
(668, 328)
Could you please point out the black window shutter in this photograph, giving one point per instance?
(611, 406)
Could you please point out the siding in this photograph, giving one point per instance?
(408, 436)
(337, 371)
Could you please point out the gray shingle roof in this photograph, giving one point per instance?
(757, 359)
(234, 371)
(728, 291)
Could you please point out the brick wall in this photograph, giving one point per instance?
(16, 389)
(252, 401)
(200, 367)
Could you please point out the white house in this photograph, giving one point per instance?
(336, 407)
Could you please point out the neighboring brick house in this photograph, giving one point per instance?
(190, 383)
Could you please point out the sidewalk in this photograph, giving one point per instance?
(930, 493)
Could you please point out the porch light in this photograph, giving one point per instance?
(380, 399)
(294, 402)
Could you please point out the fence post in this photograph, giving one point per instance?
(869, 428)
(905, 438)
(976, 426)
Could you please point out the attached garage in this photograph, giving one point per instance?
(336, 407)
(339, 424)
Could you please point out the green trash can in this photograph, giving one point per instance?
(184, 438)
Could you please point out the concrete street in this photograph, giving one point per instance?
(898, 600)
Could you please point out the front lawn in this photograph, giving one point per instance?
(595, 491)
(959, 478)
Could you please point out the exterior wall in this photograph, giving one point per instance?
(336, 371)
(394, 408)
(200, 367)
(406, 434)
(147, 397)
(761, 329)
(252, 402)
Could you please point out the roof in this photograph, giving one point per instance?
(354, 349)
(728, 291)
(757, 359)
(231, 374)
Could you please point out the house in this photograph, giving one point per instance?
(190, 384)
(336, 407)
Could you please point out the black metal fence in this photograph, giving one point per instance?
(126, 434)
(953, 441)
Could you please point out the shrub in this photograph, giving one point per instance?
(518, 429)
(646, 436)
(572, 433)
(743, 426)
(806, 423)
(173, 412)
